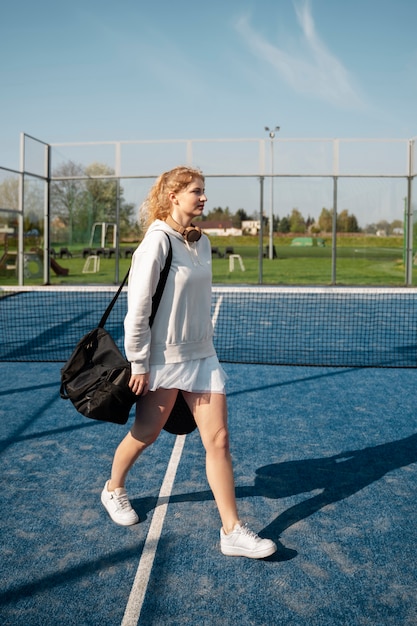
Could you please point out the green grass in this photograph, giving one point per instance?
(311, 271)
(355, 265)
(106, 274)
(360, 261)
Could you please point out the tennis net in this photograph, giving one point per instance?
(337, 327)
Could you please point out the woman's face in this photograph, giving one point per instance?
(189, 202)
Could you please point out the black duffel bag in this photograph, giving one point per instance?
(95, 378)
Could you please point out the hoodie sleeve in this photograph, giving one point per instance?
(147, 262)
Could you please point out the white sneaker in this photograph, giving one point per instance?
(243, 542)
(118, 506)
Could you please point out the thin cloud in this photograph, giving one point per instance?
(312, 70)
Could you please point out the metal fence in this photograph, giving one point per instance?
(268, 178)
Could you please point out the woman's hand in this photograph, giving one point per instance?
(139, 383)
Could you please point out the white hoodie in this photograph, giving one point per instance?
(182, 328)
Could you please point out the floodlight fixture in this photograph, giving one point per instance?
(271, 212)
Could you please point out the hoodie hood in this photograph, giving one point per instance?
(192, 248)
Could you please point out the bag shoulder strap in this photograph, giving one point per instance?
(161, 284)
(158, 293)
(113, 302)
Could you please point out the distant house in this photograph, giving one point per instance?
(219, 229)
(251, 227)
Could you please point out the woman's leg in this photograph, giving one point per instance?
(152, 411)
(210, 412)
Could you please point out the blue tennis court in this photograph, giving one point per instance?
(325, 464)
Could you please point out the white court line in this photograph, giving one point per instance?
(217, 310)
(137, 593)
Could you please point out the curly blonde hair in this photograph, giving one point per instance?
(157, 204)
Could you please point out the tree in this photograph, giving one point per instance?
(80, 202)
(397, 225)
(9, 194)
(347, 223)
(309, 222)
(297, 223)
(219, 214)
(68, 195)
(102, 193)
(284, 225)
(325, 220)
(33, 217)
(239, 217)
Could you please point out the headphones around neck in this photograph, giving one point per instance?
(191, 233)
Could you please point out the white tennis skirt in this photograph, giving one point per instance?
(198, 376)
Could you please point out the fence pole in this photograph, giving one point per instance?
(261, 230)
(408, 221)
(47, 219)
(117, 253)
(334, 230)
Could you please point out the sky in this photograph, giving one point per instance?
(95, 70)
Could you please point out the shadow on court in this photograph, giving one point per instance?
(66, 576)
(339, 477)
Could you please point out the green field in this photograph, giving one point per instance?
(360, 261)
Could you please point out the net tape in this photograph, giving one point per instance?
(337, 327)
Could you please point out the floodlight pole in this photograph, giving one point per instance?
(261, 230)
(271, 212)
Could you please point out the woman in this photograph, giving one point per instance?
(177, 354)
